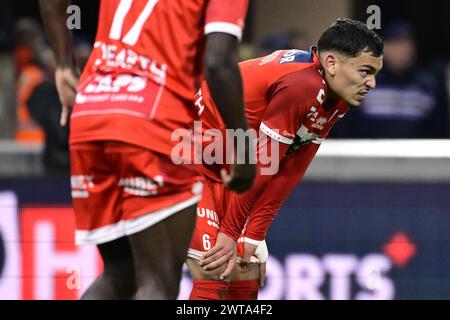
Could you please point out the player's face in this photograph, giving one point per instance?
(355, 77)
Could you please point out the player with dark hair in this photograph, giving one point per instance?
(293, 97)
(129, 198)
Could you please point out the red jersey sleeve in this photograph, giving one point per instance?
(226, 16)
(292, 170)
(240, 207)
(282, 118)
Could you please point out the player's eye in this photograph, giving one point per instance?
(364, 73)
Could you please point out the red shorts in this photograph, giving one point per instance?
(120, 189)
(211, 209)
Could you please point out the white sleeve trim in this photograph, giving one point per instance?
(261, 253)
(275, 135)
(224, 27)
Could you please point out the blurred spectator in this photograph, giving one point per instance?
(292, 39)
(274, 42)
(408, 102)
(441, 70)
(45, 109)
(39, 107)
(247, 51)
(7, 74)
(297, 40)
(30, 74)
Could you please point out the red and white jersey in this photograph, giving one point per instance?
(286, 98)
(163, 39)
(148, 54)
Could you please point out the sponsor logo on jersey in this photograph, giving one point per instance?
(296, 56)
(141, 186)
(211, 215)
(126, 59)
(319, 123)
(81, 186)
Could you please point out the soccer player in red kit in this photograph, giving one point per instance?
(293, 97)
(129, 197)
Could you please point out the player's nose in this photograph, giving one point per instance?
(371, 82)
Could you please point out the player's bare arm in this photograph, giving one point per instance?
(53, 14)
(225, 83)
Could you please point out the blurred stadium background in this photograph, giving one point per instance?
(370, 221)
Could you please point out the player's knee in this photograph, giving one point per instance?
(251, 272)
(197, 272)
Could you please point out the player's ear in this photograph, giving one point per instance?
(330, 63)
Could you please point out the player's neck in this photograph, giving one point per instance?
(331, 95)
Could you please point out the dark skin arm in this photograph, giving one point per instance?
(225, 84)
(54, 16)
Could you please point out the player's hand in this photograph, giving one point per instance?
(240, 178)
(261, 253)
(224, 252)
(242, 171)
(66, 83)
(249, 251)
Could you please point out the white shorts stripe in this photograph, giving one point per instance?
(195, 254)
(125, 228)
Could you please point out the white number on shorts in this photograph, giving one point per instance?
(132, 36)
(206, 242)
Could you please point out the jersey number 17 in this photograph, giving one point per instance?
(133, 34)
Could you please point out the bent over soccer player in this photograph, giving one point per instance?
(129, 198)
(294, 98)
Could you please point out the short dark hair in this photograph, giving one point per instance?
(351, 37)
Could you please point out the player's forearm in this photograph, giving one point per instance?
(234, 221)
(224, 78)
(53, 14)
(259, 224)
(269, 203)
(291, 172)
(240, 206)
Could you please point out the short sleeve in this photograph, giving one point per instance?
(226, 16)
